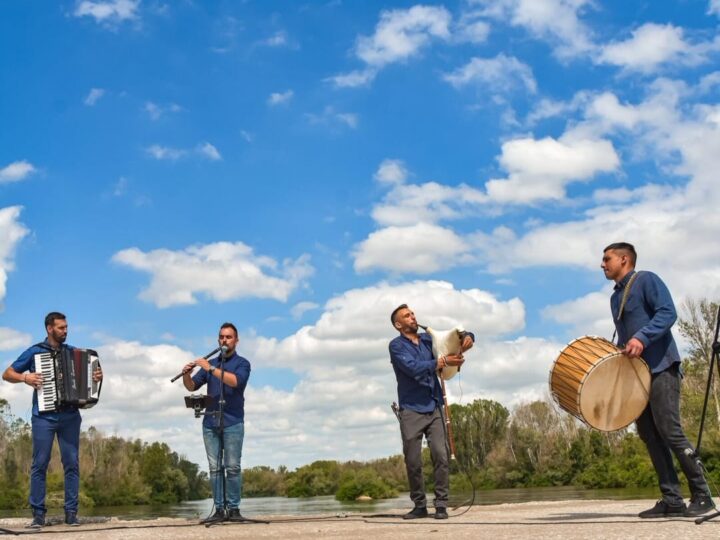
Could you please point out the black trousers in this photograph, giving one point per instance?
(659, 428)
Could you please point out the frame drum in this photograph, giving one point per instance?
(595, 382)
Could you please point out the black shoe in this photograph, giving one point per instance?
(71, 519)
(441, 513)
(217, 517)
(38, 522)
(417, 512)
(699, 505)
(234, 515)
(663, 509)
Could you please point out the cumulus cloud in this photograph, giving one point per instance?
(11, 233)
(555, 21)
(714, 7)
(429, 202)
(16, 171)
(299, 309)
(11, 339)
(391, 171)
(167, 153)
(540, 169)
(93, 96)
(279, 98)
(112, 11)
(399, 35)
(651, 46)
(220, 271)
(422, 248)
(499, 74)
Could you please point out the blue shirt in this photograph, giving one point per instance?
(234, 410)
(648, 316)
(416, 373)
(26, 362)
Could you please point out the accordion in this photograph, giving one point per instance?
(67, 379)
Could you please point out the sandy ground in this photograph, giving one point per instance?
(557, 519)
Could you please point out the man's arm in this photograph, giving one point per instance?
(657, 296)
(409, 363)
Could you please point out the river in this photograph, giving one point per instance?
(328, 505)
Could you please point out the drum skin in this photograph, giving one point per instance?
(595, 382)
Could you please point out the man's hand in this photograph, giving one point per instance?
(450, 360)
(203, 363)
(33, 379)
(97, 375)
(467, 343)
(634, 348)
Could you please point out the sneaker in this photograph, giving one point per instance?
(663, 509)
(217, 517)
(71, 519)
(441, 513)
(417, 512)
(699, 505)
(234, 515)
(38, 521)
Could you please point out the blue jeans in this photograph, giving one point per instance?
(66, 425)
(659, 427)
(233, 441)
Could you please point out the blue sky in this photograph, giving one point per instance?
(301, 168)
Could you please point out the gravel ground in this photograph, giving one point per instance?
(557, 519)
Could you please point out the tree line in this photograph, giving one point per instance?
(536, 444)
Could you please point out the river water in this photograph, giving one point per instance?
(328, 505)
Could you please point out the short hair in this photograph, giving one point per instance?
(624, 246)
(229, 325)
(392, 315)
(53, 316)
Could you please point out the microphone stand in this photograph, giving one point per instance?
(713, 363)
(221, 433)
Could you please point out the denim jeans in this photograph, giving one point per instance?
(66, 425)
(233, 441)
(659, 427)
(413, 425)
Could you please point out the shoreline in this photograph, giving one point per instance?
(541, 519)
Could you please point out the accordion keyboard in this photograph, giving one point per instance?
(47, 393)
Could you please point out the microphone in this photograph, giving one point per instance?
(208, 355)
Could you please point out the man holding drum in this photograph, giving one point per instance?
(643, 313)
(420, 398)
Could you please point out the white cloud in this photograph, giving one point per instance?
(94, 96)
(540, 169)
(155, 111)
(209, 151)
(165, 152)
(16, 171)
(556, 21)
(299, 309)
(353, 79)
(247, 136)
(714, 7)
(11, 233)
(650, 46)
(278, 39)
(279, 98)
(13, 339)
(112, 11)
(221, 271)
(422, 248)
(399, 35)
(429, 202)
(499, 74)
(330, 117)
(391, 171)
(587, 315)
